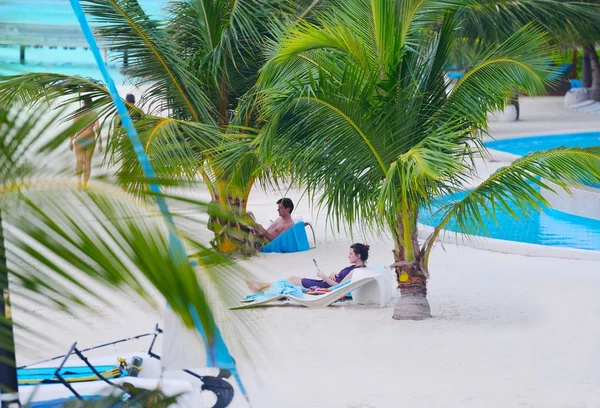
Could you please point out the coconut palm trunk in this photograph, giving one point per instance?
(230, 225)
(411, 277)
(595, 65)
(586, 70)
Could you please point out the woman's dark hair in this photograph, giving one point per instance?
(362, 250)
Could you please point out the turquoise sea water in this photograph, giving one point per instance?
(548, 227)
(69, 62)
(57, 12)
(56, 60)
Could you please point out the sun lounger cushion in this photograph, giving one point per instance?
(292, 240)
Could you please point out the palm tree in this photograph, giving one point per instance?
(58, 239)
(569, 24)
(357, 109)
(196, 68)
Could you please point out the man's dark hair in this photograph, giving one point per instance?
(87, 100)
(130, 98)
(287, 203)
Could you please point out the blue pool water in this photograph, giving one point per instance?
(524, 145)
(548, 227)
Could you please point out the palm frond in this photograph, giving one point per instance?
(517, 63)
(123, 25)
(514, 189)
(58, 239)
(493, 21)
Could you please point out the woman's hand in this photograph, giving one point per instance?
(320, 274)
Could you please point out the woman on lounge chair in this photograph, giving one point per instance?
(358, 255)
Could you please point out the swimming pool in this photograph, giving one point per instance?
(548, 227)
(524, 145)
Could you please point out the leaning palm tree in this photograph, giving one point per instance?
(57, 239)
(195, 68)
(357, 109)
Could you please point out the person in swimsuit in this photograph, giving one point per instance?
(358, 255)
(84, 143)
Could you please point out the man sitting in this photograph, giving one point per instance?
(285, 206)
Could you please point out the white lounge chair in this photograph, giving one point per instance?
(360, 279)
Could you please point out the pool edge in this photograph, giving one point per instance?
(509, 247)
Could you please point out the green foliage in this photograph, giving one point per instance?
(359, 112)
(59, 239)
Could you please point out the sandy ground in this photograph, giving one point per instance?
(507, 330)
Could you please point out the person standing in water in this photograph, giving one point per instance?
(84, 142)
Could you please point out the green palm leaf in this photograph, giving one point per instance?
(514, 186)
(58, 239)
(495, 20)
(124, 26)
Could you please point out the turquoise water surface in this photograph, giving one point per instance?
(524, 145)
(547, 227)
(56, 12)
(56, 60)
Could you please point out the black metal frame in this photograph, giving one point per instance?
(216, 384)
(78, 353)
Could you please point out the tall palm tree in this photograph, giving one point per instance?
(357, 109)
(58, 239)
(196, 67)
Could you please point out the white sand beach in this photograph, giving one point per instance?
(507, 330)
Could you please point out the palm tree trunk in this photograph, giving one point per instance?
(595, 93)
(230, 225)
(8, 366)
(574, 62)
(514, 100)
(413, 303)
(586, 69)
(412, 282)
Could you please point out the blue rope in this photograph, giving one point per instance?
(216, 350)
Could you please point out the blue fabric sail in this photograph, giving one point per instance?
(292, 240)
(217, 353)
